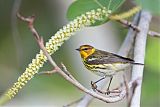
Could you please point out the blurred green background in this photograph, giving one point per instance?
(18, 47)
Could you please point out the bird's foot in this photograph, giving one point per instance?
(107, 92)
(94, 86)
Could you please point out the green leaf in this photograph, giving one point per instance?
(82, 6)
(152, 6)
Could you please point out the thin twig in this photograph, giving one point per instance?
(47, 72)
(66, 71)
(39, 40)
(128, 24)
(30, 21)
(134, 27)
(154, 34)
(109, 91)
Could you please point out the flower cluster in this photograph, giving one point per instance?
(28, 74)
(54, 43)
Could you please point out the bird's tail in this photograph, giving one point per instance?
(134, 63)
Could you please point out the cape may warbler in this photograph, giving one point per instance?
(103, 63)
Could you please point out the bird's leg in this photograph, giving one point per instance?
(108, 92)
(93, 84)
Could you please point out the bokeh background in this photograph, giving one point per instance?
(18, 47)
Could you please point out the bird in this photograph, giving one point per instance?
(102, 63)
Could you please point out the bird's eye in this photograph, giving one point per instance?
(85, 49)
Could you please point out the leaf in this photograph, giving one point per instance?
(82, 6)
(152, 6)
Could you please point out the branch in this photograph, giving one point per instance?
(132, 93)
(154, 34)
(128, 24)
(134, 27)
(139, 55)
(124, 50)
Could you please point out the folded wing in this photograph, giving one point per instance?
(102, 57)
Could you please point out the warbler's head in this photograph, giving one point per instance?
(86, 50)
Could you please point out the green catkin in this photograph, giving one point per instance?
(126, 14)
(53, 44)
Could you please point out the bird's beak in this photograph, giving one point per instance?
(78, 49)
